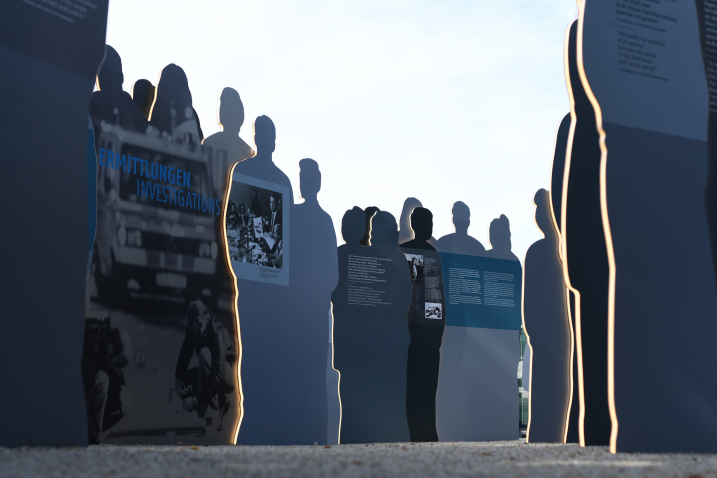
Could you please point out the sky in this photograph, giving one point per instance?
(443, 100)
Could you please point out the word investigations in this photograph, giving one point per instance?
(158, 192)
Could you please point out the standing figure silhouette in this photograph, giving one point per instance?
(371, 342)
(425, 329)
(547, 326)
(315, 274)
(48, 65)
(585, 253)
(477, 381)
(556, 198)
(284, 403)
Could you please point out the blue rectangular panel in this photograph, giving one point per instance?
(482, 291)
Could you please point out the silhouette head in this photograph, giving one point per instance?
(369, 213)
(242, 209)
(231, 111)
(384, 230)
(309, 178)
(542, 211)
(461, 217)
(264, 135)
(109, 75)
(422, 223)
(353, 225)
(143, 96)
(500, 233)
(172, 94)
(232, 208)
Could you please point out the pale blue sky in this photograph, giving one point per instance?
(441, 100)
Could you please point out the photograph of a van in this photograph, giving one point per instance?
(150, 243)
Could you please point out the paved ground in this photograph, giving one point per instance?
(502, 459)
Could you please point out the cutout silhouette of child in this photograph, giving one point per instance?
(110, 104)
(547, 325)
(371, 343)
(426, 322)
(500, 240)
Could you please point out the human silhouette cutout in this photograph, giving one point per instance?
(370, 212)
(500, 240)
(226, 146)
(371, 341)
(110, 104)
(558, 170)
(585, 253)
(426, 322)
(180, 242)
(478, 365)
(48, 67)
(143, 96)
(172, 112)
(547, 326)
(556, 198)
(284, 404)
(661, 262)
(316, 275)
(460, 242)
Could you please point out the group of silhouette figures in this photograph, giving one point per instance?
(388, 357)
(618, 299)
(405, 372)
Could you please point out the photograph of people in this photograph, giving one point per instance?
(275, 206)
(415, 265)
(256, 204)
(209, 384)
(107, 351)
(232, 216)
(255, 238)
(243, 217)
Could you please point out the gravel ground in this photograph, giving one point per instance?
(439, 459)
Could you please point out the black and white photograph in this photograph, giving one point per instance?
(434, 310)
(415, 265)
(254, 220)
(160, 334)
(257, 229)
